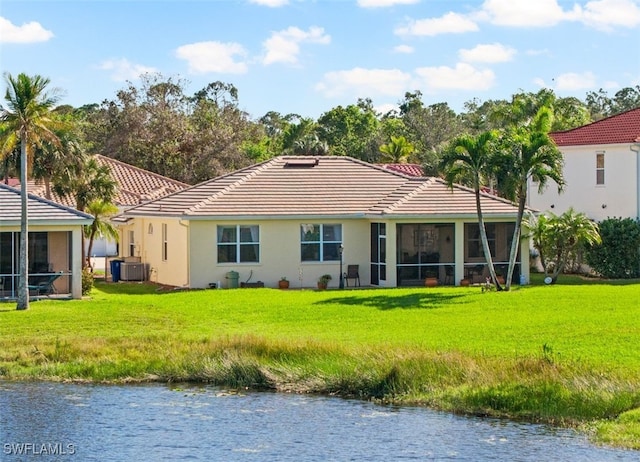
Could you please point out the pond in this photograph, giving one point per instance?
(53, 421)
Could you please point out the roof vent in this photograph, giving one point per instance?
(301, 163)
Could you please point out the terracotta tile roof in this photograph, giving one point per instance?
(617, 129)
(40, 210)
(329, 186)
(135, 185)
(406, 169)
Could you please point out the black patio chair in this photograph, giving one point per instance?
(353, 272)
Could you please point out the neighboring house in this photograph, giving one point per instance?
(54, 243)
(406, 169)
(601, 170)
(301, 217)
(135, 186)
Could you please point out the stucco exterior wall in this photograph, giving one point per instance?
(279, 254)
(618, 197)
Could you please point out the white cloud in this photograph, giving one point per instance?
(573, 81)
(123, 70)
(462, 77)
(404, 49)
(608, 14)
(30, 32)
(364, 82)
(384, 3)
(205, 57)
(487, 53)
(450, 23)
(284, 46)
(387, 108)
(270, 3)
(525, 13)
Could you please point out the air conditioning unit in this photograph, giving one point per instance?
(132, 271)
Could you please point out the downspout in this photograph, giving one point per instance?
(635, 147)
(181, 222)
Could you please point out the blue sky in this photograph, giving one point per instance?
(306, 57)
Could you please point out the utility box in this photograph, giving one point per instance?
(232, 279)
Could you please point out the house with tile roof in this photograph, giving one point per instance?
(300, 217)
(55, 243)
(601, 170)
(135, 186)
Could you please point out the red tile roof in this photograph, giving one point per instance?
(406, 169)
(618, 129)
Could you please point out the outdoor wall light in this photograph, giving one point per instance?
(604, 206)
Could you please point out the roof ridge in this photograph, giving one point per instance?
(423, 182)
(142, 170)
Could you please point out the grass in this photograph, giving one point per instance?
(566, 354)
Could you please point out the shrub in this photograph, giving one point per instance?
(87, 281)
(618, 254)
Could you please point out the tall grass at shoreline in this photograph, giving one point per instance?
(563, 354)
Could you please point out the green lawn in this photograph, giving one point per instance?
(567, 353)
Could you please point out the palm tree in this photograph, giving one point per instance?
(27, 120)
(398, 150)
(468, 160)
(86, 181)
(557, 238)
(530, 154)
(101, 212)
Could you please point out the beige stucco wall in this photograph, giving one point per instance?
(192, 254)
(147, 239)
(619, 194)
(279, 254)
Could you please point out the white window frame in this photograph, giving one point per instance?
(165, 242)
(600, 172)
(322, 242)
(132, 243)
(238, 243)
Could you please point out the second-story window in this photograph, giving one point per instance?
(600, 168)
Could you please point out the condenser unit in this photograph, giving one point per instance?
(132, 271)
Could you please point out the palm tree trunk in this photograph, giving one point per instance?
(23, 289)
(485, 241)
(515, 243)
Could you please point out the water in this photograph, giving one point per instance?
(160, 423)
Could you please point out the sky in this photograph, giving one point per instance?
(306, 57)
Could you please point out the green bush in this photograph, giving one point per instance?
(618, 255)
(87, 281)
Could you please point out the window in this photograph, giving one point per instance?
(238, 244)
(474, 242)
(132, 244)
(320, 242)
(600, 168)
(165, 245)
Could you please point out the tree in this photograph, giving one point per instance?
(26, 121)
(397, 151)
(528, 154)
(618, 255)
(85, 182)
(101, 212)
(468, 159)
(558, 239)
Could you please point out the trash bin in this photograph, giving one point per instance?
(232, 279)
(115, 270)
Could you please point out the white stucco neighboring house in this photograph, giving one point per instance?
(55, 243)
(300, 217)
(601, 170)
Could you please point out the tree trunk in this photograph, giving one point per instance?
(515, 243)
(23, 289)
(485, 241)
